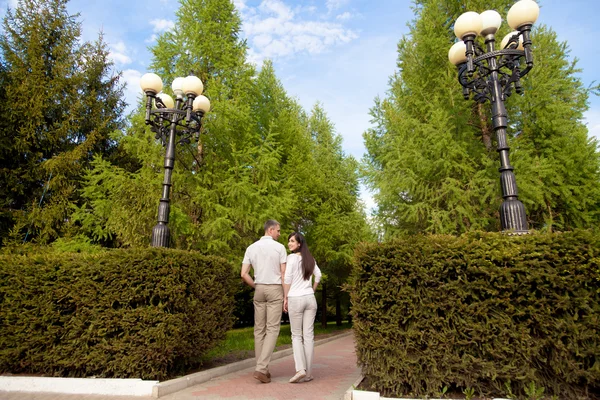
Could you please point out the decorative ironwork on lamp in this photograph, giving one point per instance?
(170, 119)
(491, 74)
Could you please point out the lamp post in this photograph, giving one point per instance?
(169, 119)
(490, 74)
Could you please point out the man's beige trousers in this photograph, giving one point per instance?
(268, 306)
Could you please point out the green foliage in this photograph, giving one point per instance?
(123, 313)
(533, 392)
(431, 157)
(500, 315)
(61, 103)
(469, 393)
(119, 207)
(77, 244)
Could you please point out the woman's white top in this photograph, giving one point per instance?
(295, 277)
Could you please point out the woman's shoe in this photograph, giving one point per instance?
(308, 378)
(299, 375)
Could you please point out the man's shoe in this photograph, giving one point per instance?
(262, 377)
(308, 378)
(299, 375)
(268, 374)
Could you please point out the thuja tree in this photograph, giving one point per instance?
(431, 155)
(61, 103)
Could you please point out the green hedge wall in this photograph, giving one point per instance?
(486, 314)
(144, 313)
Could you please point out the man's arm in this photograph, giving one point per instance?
(282, 267)
(246, 275)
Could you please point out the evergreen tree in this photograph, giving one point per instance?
(431, 156)
(61, 104)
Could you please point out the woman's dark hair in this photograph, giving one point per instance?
(308, 261)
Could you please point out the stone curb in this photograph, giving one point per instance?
(174, 385)
(348, 394)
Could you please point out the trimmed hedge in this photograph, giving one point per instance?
(141, 313)
(488, 313)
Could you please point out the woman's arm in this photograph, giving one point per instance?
(317, 275)
(287, 280)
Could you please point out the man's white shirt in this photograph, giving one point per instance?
(266, 256)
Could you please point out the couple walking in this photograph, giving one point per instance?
(282, 283)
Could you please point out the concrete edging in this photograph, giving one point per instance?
(350, 391)
(177, 384)
(98, 386)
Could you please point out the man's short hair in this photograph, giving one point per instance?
(271, 223)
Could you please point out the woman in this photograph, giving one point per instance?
(300, 303)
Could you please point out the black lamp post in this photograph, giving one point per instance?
(168, 120)
(490, 74)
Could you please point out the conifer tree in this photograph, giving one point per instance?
(61, 105)
(431, 155)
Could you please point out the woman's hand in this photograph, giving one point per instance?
(285, 305)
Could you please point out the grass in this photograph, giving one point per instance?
(240, 342)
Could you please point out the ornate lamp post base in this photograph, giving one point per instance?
(513, 218)
(161, 235)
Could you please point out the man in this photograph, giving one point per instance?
(267, 257)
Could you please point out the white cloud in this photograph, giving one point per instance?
(162, 25)
(240, 5)
(131, 78)
(262, 40)
(152, 38)
(118, 53)
(344, 17)
(367, 198)
(278, 8)
(592, 120)
(335, 4)
(275, 30)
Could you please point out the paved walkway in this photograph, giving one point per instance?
(334, 370)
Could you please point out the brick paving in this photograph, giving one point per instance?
(334, 370)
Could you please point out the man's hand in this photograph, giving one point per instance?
(245, 274)
(285, 305)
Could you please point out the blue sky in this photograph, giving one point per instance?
(337, 52)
